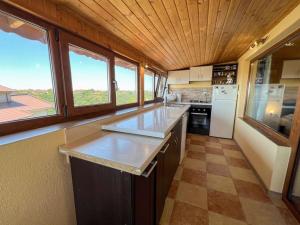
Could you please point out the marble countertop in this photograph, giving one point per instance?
(154, 123)
(125, 152)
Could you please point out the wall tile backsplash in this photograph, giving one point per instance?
(187, 94)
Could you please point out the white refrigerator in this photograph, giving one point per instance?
(224, 98)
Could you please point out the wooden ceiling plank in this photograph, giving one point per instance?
(243, 27)
(212, 20)
(110, 23)
(235, 16)
(134, 12)
(175, 20)
(140, 14)
(161, 12)
(278, 9)
(117, 16)
(183, 33)
(192, 6)
(185, 22)
(123, 8)
(203, 7)
(150, 12)
(222, 17)
(119, 32)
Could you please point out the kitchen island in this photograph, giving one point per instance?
(121, 178)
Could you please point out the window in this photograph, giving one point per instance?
(27, 89)
(126, 82)
(89, 73)
(148, 85)
(273, 88)
(161, 87)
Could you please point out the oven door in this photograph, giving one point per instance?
(199, 123)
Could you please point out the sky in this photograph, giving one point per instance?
(25, 64)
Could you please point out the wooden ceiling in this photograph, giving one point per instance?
(183, 33)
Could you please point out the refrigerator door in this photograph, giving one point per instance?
(223, 111)
(225, 92)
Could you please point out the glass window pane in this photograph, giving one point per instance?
(126, 77)
(161, 87)
(26, 84)
(274, 84)
(90, 77)
(148, 85)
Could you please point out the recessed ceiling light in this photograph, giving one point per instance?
(146, 66)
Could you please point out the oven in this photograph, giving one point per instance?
(199, 119)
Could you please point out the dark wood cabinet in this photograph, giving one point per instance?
(108, 196)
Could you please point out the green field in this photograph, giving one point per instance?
(89, 97)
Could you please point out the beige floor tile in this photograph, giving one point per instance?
(220, 183)
(213, 144)
(233, 154)
(187, 214)
(258, 213)
(218, 219)
(196, 148)
(219, 159)
(166, 216)
(194, 164)
(227, 141)
(198, 137)
(192, 194)
(243, 174)
(178, 173)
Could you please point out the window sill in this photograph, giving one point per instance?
(24, 135)
(267, 132)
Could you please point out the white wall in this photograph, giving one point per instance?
(269, 160)
(35, 183)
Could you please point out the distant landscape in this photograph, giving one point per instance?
(88, 97)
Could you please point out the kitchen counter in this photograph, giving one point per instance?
(155, 123)
(128, 152)
(125, 152)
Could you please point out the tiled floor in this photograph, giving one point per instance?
(215, 185)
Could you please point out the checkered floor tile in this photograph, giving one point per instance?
(215, 185)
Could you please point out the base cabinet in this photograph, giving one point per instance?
(108, 196)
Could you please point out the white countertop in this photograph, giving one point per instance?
(154, 123)
(125, 152)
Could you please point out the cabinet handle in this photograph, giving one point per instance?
(165, 149)
(147, 174)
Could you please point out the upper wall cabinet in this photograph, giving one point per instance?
(291, 69)
(179, 77)
(201, 73)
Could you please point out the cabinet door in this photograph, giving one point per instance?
(144, 197)
(102, 195)
(194, 73)
(206, 73)
(160, 185)
(179, 77)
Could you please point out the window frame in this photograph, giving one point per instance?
(124, 106)
(267, 131)
(160, 99)
(67, 39)
(154, 92)
(55, 64)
